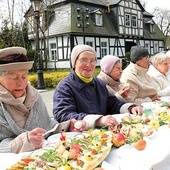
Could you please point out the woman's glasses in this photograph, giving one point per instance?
(85, 61)
(146, 58)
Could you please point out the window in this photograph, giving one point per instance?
(127, 20)
(41, 21)
(155, 47)
(146, 45)
(31, 24)
(130, 20)
(134, 21)
(152, 28)
(99, 19)
(103, 48)
(89, 43)
(53, 52)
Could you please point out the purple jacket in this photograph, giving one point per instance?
(75, 99)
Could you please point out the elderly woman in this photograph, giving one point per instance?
(142, 88)
(84, 97)
(168, 74)
(111, 71)
(158, 70)
(24, 117)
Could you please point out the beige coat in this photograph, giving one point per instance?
(142, 86)
(112, 85)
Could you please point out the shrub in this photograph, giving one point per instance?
(52, 78)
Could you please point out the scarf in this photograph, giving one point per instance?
(18, 108)
(84, 79)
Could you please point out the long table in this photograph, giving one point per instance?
(155, 156)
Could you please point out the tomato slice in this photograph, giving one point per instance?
(77, 147)
(27, 160)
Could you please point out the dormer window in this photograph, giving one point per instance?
(31, 24)
(152, 28)
(98, 17)
(131, 20)
(150, 25)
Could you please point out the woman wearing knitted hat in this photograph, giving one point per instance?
(142, 87)
(82, 96)
(23, 115)
(111, 71)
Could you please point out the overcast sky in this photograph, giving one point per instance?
(151, 4)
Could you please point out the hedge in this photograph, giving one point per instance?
(52, 78)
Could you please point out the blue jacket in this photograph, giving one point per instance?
(75, 99)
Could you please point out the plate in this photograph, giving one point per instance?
(149, 105)
(56, 137)
(165, 98)
(153, 135)
(151, 155)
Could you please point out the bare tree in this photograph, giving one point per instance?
(162, 19)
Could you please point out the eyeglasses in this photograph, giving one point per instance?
(85, 61)
(146, 58)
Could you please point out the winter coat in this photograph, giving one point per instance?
(142, 87)
(112, 85)
(75, 99)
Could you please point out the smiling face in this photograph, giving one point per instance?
(15, 82)
(85, 64)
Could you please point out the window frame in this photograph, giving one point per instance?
(99, 18)
(103, 46)
(53, 52)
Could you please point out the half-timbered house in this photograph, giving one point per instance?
(110, 26)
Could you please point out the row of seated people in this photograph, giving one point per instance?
(74, 96)
(148, 77)
(24, 118)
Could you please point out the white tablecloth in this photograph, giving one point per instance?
(155, 157)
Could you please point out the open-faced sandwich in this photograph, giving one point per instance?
(84, 152)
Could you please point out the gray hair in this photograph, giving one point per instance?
(159, 58)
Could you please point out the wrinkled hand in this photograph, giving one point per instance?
(36, 138)
(137, 110)
(124, 91)
(72, 125)
(106, 121)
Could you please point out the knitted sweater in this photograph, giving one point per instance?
(14, 138)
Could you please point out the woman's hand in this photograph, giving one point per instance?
(106, 121)
(77, 125)
(124, 91)
(136, 110)
(156, 97)
(36, 137)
